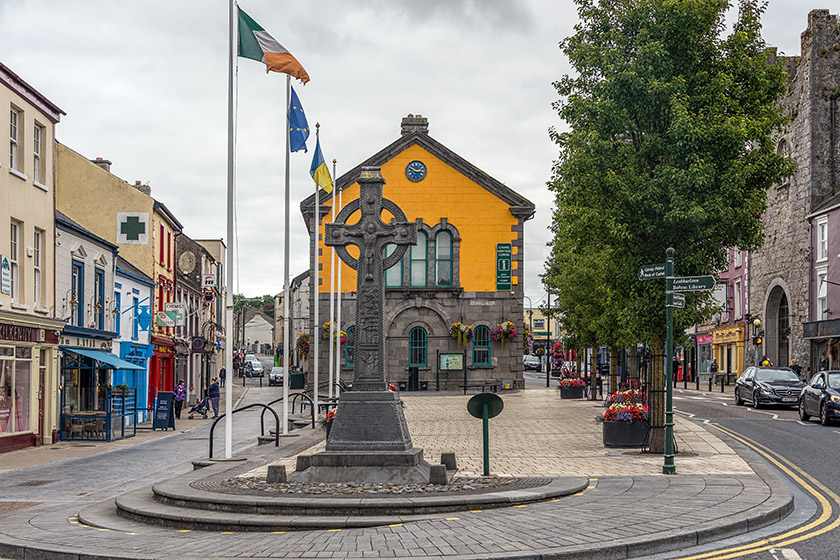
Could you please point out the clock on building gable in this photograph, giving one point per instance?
(415, 171)
(186, 262)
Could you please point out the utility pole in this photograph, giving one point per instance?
(548, 342)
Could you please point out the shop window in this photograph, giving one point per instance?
(822, 295)
(37, 264)
(417, 264)
(822, 240)
(37, 148)
(117, 310)
(350, 347)
(417, 341)
(481, 346)
(135, 316)
(99, 298)
(14, 138)
(14, 260)
(443, 259)
(15, 389)
(160, 246)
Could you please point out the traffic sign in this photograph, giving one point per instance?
(690, 283)
(651, 271)
(675, 299)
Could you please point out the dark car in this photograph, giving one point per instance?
(821, 397)
(275, 376)
(532, 362)
(768, 386)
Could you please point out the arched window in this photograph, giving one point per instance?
(417, 264)
(443, 259)
(350, 347)
(481, 346)
(393, 275)
(417, 347)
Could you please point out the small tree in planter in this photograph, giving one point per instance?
(625, 421)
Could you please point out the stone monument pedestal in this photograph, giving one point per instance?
(367, 467)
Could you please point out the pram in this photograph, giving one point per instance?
(201, 407)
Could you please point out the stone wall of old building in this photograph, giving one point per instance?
(779, 271)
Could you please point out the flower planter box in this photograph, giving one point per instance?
(572, 392)
(624, 434)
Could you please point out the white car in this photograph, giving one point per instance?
(275, 376)
(257, 367)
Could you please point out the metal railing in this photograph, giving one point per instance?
(293, 400)
(246, 407)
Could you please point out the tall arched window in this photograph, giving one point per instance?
(393, 275)
(417, 265)
(417, 340)
(481, 346)
(350, 347)
(443, 259)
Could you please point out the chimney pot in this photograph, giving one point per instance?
(414, 123)
(102, 163)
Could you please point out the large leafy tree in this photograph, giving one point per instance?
(671, 122)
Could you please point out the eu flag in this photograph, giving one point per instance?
(298, 127)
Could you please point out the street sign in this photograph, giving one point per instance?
(652, 271)
(504, 273)
(178, 311)
(209, 281)
(675, 299)
(690, 283)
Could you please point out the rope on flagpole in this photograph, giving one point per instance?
(333, 392)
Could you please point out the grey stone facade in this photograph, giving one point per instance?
(779, 272)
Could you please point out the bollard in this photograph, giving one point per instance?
(710, 383)
(437, 474)
(448, 460)
(303, 462)
(276, 473)
(723, 382)
(697, 382)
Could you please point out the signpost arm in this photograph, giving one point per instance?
(485, 424)
(668, 467)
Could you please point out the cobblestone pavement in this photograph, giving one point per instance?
(629, 509)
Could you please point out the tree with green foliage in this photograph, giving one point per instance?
(671, 144)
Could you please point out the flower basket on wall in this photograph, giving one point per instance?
(325, 333)
(502, 332)
(461, 332)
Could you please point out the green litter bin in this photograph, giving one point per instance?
(297, 380)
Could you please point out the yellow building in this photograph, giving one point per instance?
(465, 268)
(728, 348)
(28, 327)
(542, 329)
(143, 229)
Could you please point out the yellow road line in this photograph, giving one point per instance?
(796, 474)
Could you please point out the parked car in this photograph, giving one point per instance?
(821, 397)
(275, 376)
(256, 368)
(768, 385)
(532, 363)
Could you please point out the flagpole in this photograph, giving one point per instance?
(316, 296)
(229, 252)
(286, 352)
(333, 328)
(333, 392)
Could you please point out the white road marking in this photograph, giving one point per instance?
(706, 421)
(787, 553)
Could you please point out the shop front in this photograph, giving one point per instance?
(729, 348)
(136, 379)
(705, 342)
(92, 406)
(162, 368)
(824, 337)
(27, 380)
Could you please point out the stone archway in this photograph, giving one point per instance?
(777, 327)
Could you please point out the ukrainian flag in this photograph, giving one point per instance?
(319, 171)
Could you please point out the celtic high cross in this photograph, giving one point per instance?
(371, 235)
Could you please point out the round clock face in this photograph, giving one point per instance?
(187, 262)
(415, 171)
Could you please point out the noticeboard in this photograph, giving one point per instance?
(164, 414)
(451, 362)
(504, 274)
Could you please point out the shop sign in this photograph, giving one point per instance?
(83, 342)
(821, 329)
(166, 318)
(705, 338)
(178, 311)
(5, 275)
(209, 281)
(15, 333)
(504, 253)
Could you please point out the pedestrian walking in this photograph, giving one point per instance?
(250, 370)
(714, 369)
(797, 369)
(222, 377)
(180, 397)
(214, 394)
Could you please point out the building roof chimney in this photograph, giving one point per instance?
(414, 123)
(103, 163)
(145, 189)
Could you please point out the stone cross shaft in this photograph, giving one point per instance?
(371, 235)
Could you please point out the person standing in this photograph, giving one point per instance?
(222, 377)
(214, 394)
(765, 361)
(797, 369)
(180, 397)
(714, 369)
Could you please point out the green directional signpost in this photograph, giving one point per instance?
(673, 298)
(485, 406)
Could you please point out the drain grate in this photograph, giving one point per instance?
(36, 482)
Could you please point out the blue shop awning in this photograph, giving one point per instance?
(105, 358)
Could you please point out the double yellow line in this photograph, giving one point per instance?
(827, 520)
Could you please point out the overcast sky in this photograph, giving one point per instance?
(144, 84)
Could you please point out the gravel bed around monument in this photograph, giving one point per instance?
(249, 484)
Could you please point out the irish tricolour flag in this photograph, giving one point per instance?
(255, 43)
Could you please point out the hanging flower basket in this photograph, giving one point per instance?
(302, 345)
(461, 332)
(502, 332)
(325, 333)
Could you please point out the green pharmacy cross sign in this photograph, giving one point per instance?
(132, 227)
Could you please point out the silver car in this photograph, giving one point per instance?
(275, 376)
